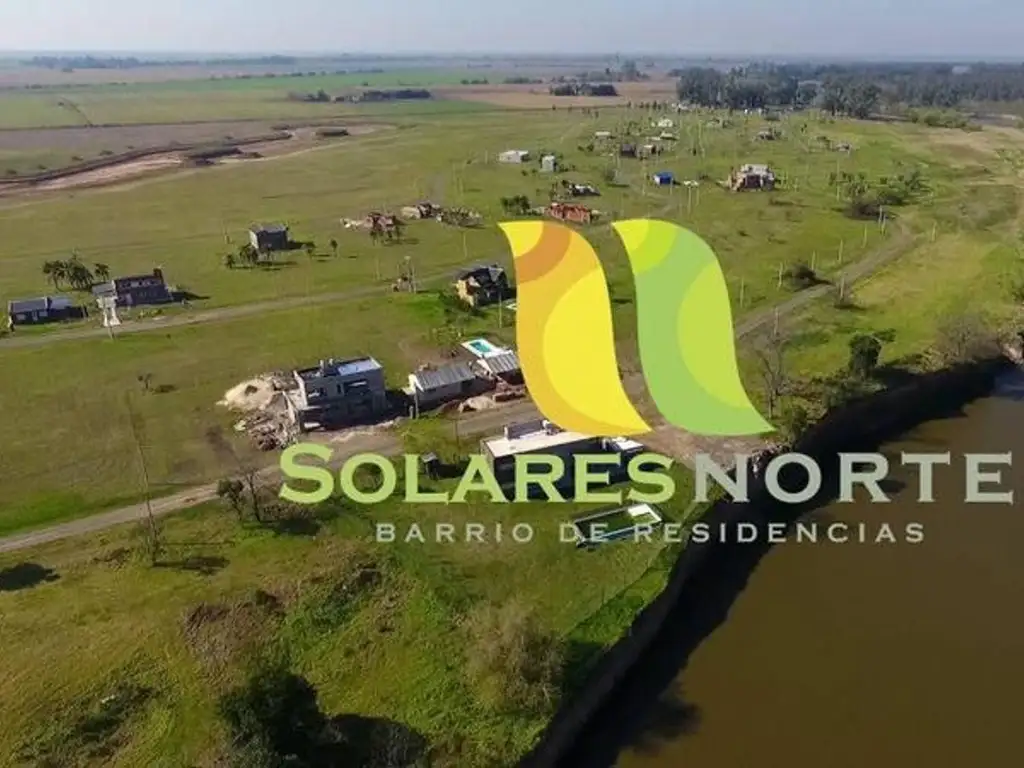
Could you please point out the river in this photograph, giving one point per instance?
(815, 655)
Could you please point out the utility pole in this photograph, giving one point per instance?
(775, 330)
(154, 542)
(780, 277)
(814, 260)
(864, 244)
(935, 229)
(841, 244)
(743, 290)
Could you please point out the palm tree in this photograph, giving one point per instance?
(310, 250)
(229, 260)
(56, 271)
(334, 248)
(102, 272)
(78, 274)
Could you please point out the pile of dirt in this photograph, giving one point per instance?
(253, 395)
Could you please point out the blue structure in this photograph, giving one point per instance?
(664, 179)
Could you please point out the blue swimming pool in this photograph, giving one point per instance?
(481, 347)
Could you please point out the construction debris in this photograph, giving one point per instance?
(263, 402)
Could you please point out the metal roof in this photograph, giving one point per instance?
(436, 378)
(19, 306)
(504, 362)
(269, 229)
(61, 302)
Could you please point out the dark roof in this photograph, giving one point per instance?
(506, 362)
(486, 272)
(104, 289)
(456, 373)
(269, 229)
(28, 305)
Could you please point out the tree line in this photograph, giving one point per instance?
(857, 90)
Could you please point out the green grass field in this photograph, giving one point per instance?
(179, 222)
(396, 652)
(101, 614)
(178, 101)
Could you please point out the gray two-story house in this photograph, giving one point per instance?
(135, 290)
(338, 392)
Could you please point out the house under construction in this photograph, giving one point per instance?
(752, 177)
(570, 212)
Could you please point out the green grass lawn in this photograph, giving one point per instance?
(107, 615)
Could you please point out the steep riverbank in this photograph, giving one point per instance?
(606, 713)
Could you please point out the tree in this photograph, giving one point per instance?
(101, 272)
(145, 379)
(229, 260)
(334, 248)
(78, 274)
(770, 356)
(274, 715)
(310, 250)
(864, 353)
(513, 664)
(247, 254)
(230, 490)
(56, 271)
(794, 421)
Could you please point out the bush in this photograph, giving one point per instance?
(965, 338)
(864, 354)
(800, 276)
(513, 664)
(274, 718)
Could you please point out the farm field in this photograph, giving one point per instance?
(377, 628)
(754, 234)
(443, 160)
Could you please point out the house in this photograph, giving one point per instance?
(503, 367)
(627, 150)
(752, 177)
(481, 285)
(549, 164)
(535, 437)
(648, 150)
(602, 135)
(664, 179)
(46, 309)
(269, 237)
(580, 190)
(570, 212)
(135, 290)
(337, 392)
(433, 386)
(514, 156)
(767, 135)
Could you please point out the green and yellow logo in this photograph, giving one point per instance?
(684, 331)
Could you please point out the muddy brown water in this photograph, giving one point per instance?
(844, 655)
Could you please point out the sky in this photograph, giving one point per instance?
(952, 29)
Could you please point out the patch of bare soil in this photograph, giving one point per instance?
(117, 173)
(219, 634)
(538, 96)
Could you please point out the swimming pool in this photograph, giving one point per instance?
(482, 347)
(615, 523)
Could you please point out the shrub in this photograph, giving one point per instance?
(513, 664)
(864, 353)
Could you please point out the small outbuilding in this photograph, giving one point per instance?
(549, 164)
(269, 237)
(514, 156)
(664, 179)
(503, 366)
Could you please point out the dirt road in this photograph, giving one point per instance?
(210, 315)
